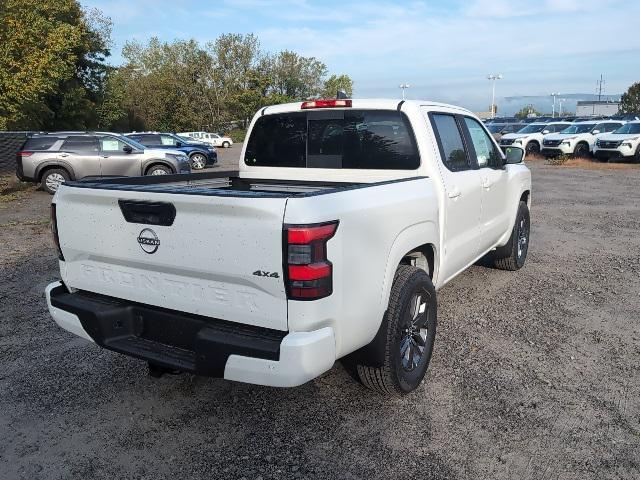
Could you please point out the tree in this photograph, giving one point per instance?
(335, 83)
(525, 111)
(51, 63)
(630, 101)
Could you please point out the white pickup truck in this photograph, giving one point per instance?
(329, 243)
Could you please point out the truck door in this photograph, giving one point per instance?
(495, 215)
(463, 195)
(118, 159)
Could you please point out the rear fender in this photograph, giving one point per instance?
(55, 164)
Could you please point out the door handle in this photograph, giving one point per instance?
(454, 193)
(64, 155)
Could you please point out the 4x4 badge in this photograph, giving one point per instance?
(148, 240)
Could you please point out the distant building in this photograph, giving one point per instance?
(592, 108)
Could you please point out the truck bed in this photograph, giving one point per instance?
(227, 183)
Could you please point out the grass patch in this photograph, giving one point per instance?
(43, 221)
(12, 189)
(589, 164)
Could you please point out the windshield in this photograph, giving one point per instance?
(358, 139)
(582, 128)
(533, 128)
(495, 127)
(629, 128)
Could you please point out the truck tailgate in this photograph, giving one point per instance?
(221, 257)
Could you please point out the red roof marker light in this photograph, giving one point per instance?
(332, 103)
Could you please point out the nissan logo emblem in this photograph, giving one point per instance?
(148, 241)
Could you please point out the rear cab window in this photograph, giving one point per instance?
(337, 139)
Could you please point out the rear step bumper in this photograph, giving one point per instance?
(193, 343)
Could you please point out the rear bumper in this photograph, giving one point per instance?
(201, 345)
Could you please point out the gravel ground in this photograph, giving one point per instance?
(535, 374)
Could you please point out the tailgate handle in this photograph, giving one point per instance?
(148, 213)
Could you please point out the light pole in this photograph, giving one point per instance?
(493, 78)
(404, 86)
(553, 112)
(561, 101)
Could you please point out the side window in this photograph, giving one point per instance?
(85, 144)
(149, 140)
(111, 144)
(486, 152)
(450, 141)
(194, 135)
(167, 140)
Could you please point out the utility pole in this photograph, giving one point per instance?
(404, 86)
(553, 112)
(560, 102)
(600, 83)
(493, 78)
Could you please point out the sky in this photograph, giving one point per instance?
(443, 48)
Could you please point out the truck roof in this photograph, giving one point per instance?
(366, 103)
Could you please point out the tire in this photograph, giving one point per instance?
(636, 157)
(581, 150)
(226, 144)
(158, 170)
(52, 178)
(408, 329)
(532, 148)
(198, 161)
(513, 255)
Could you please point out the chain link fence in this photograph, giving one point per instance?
(10, 143)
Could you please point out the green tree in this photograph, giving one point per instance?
(630, 101)
(525, 111)
(51, 63)
(335, 83)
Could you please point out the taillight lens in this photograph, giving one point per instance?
(54, 231)
(25, 154)
(308, 271)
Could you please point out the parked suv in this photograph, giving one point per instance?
(214, 139)
(530, 137)
(578, 139)
(621, 144)
(497, 130)
(202, 155)
(52, 158)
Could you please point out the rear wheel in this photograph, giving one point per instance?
(226, 144)
(407, 336)
(513, 255)
(158, 170)
(636, 157)
(52, 178)
(198, 161)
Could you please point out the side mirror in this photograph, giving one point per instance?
(544, 132)
(595, 132)
(514, 155)
(127, 149)
(179, 144)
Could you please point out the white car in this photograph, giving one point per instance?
(213, 138)
(530, 137)
(578, 139)
(622, 144)
(345, 218)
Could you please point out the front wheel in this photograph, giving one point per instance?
(226, 144)
(158, 170)
(198, 161)
(406, 337)
(532, 148)
(581, 150)
(513, 255)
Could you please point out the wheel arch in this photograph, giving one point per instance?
(43, 167)
(152, 163)
(416, 245)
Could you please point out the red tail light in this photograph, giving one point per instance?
(25, 154)
(334, 103)
(308, 272)
(54, 231)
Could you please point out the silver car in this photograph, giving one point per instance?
(52, 158)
